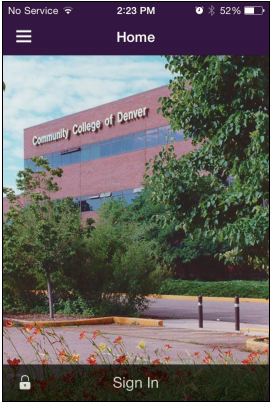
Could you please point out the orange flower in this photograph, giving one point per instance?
(37, 331)
(31, 339)
(266, 352)
(246, 361)
(96, 334)
(44, 361)
(156, 361)
(228, 353)
(122, 359)
(196, 354)
(207, 360)
(75, 357)
(63, 355)
(253, 356)
(14, 362)
(82, 335)
(167, 359)
(27, 328)
(92, 360)
(118, 340)
(168, 347)
(9, 323)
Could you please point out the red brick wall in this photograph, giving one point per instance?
(147, 99)
(120, 172)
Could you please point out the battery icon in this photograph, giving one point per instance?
(256, 10)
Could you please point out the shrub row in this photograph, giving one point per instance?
(250, 289)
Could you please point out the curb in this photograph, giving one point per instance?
(257, 347)
(265, 331)
(90, 321)
(207, 298)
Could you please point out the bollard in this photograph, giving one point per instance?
(200, 312)
(237, 313)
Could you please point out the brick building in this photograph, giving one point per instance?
(103, 150)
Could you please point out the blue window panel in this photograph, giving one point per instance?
(117, 193)
(75, 157)
(127, 145)
(164, 128)
(128, 191)
(56, 161)
(152, 140)
(116, 147)
(85, 155)
(31, 165)
(178, 135)
(105, 150)
(151, 131)
(95, 204)
(66, 159)
(86, 146)
(50, 161)
(129, 198)
(95, 153)
(139, 142)
(163, 137)
(139, 134)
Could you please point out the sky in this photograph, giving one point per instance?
(43, 88)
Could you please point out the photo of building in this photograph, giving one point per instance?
(103, 150)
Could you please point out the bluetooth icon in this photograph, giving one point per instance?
(211, 10)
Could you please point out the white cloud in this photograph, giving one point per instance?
(6, 143)
(13, 168)
(39, 89)
(17, 152)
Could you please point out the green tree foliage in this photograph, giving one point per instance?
(42, 237)
(172, 249)
(220, 190)
(121, 267)
(104, 269)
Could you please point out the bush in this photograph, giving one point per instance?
(250, 289)
(121, 269)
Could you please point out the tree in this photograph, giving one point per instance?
(121, 266)
(41, 235)
(220, 190)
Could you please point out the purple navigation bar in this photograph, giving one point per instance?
(135, 28)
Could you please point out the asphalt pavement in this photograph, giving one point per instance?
(250, 313)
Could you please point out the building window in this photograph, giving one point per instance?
(128, 143)
(95, 153)
(139, 142)
(105, 149)
(116, 146)
(85, 155)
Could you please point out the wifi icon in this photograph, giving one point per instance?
(68, 9)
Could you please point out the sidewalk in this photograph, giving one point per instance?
(218, 326)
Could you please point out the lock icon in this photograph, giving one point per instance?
(25, 385)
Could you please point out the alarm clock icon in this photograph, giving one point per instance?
(199, 10)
